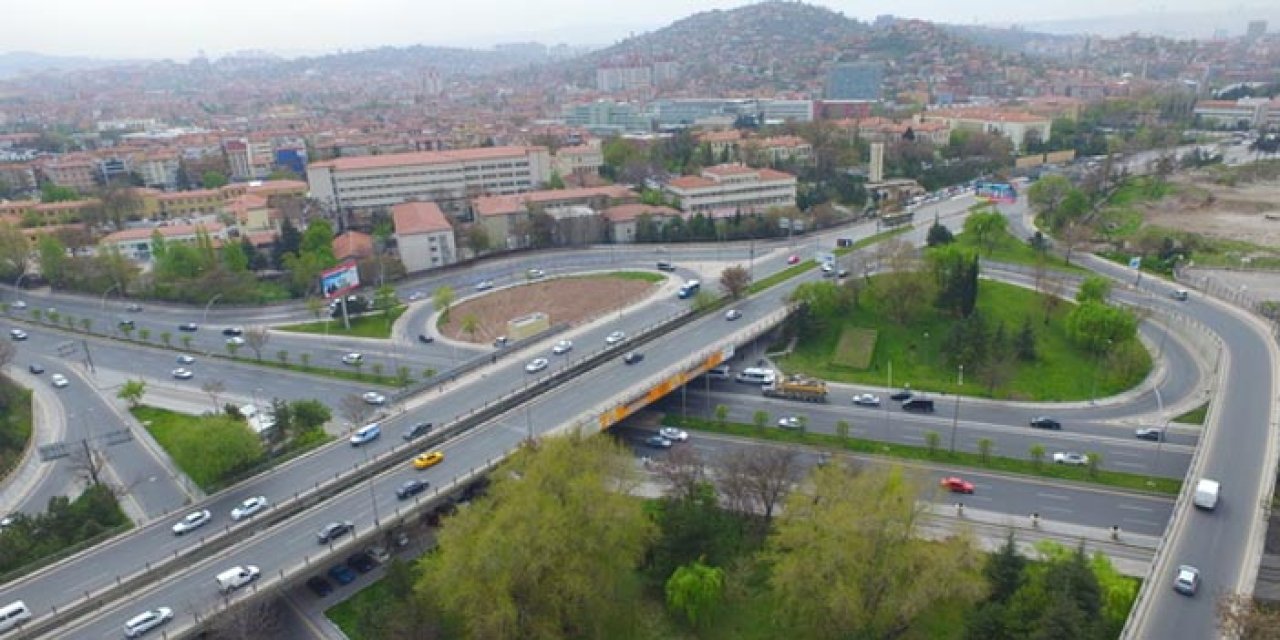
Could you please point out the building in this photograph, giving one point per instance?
(607, 117)
(352, 245)
(158, 169)
(248, 159)
(610, 79)
(181, 204)
(1017, 126)
(1255, 29)
(501, 215)
(135, 244)
(725, 189)
(854, 81)
(580, 161)
(776, 150)
(424, 236)
(787, 110)
(622, 219)
(251, 213)
(75, 170)
(448, 178)
(842, 109)
(19, 178)
(1245, 113)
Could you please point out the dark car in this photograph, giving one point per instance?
(35, 368)
(342, 574)
(411, 488)
(232, 331)
(633, 357)
(666, 266)
(901, 396)
(1154, 435)
(333, 531)
(319, 586)
(1045, 422)
(425, 339)
(362, 562)
(417, 431)
(923, 405)
(188, 326)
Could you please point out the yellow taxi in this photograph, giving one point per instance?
(425, 460)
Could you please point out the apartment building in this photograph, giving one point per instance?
(1014, 125)
(581, 161)
(135, 244)
(501, 215)
(725, 189)
(20, 177)
(249, 159)
(448, 178)
(75, 170)
(622, 219)
(424, 236)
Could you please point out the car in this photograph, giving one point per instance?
(484, 285)
(353, 358)
(1187, 582)
(416, 296)
(374, 398)
(183, 374)
(133, 307)
(633, 357)
(361, 561)
(333, 531)
(658, 442)
(378, 554)
(535, 274)
(126, 323)
(425, 339)
(562, 347)
(793, 259)
(866, 400)
(58, 380)
(790, 422)
(17, 334)
(732, 314)
(842, 273)
(919, 404)
(35, 368)
(901, 396)
(501, 341)
(663, 265)
(342, 574)
(1070, 458)
(146, 621)
(366, 434)
(535, 365)
(186, 359)
(319, 586)
(411, 488)
(189, 327)
(249, 507)
(1152, 434)
(192, 521)
(956, 484)
(237, 341)
(417, 431)
(19, 305)
(673, 434)
(615, 337)
(428, 460)
(1045, 422)
(1179, 294)
(233, 331)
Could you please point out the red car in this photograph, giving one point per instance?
(793, 259)
(957, 485)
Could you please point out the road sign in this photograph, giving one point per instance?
(53, 451)
(1135, 262)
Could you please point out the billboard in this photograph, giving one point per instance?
(996, 191)
(339, 280)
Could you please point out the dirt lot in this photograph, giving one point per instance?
(1249, 212)
(571, 300)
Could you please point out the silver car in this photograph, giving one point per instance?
(192, 522)
(249, 507)
(615, 337)
(146, 621)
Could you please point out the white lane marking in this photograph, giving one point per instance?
(1134, 507)
(1055, 496)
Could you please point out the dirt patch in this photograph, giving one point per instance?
(1246, 212)
(568, 300)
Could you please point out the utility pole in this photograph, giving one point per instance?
(955, 421)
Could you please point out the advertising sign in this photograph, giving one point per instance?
(996, 192)
(339, 280)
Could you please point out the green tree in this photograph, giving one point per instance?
(694, 591)
(442, 300)
(984, 450)
(86, 323)
(234, 257)
(760, 419)
(1005, 571)
(144, 334)
(847, 561)
(1037, 455)
(932, 439)
(939, 234)
(166, 337)
(986, 228)
(555, 182)
(1097, 327)
(317, 240)
(213, 180)
(1024, 344)
(470, 325)
(14, 252)
(1094, 289)
(53, 259)
(1095, 462)
(53, 193)
(186, 342)
(722, 414)
(501, 568)
(309, 414)
(842, 430)
(132, 391)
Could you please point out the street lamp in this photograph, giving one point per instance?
(955, 421)
(205, 318)
(108, 292)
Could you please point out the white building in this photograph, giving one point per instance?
(582, 160)
(725, 189)
(447, 178)
(423, 235)
(784, 110)
(135, 244)
(1014, 125)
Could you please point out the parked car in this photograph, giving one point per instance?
(374, 398)
(673, 434)
(1153, 434)
(342, 574)
(956, 484)
(562, 347)
(333, 531)
(658, 442)
(183, 374)
(732, 314)
(633, 357)
(17, 334)
(417, 431)
(249, 507)
(1187, 581)
(427, 460)
(535, 365)
(1070, 458)
(189, 327)
(866, 400)
(361, 561)
(146, 621)
(411, 488)
(192, 521)
(319, 586)
(1045, 422)
(378, 554)
(58, 380)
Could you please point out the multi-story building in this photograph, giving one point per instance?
(854, 81)
(787, 110)
(726, 189)
(501, 215)
(606, 117)
(248, 159)
(1244, 113)
(579, 161)
(424, 236)
(610, 79)
(1014, 125)
(622, 219)
(75, 170)
(18, 177)
(447, 178)
(135, 244)
(158, 169)
(181, 204)
(775, 150)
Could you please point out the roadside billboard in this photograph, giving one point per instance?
(996, 191)
(339, 280)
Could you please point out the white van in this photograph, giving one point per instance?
(756, 375)
(13, 614)
(366, 434)
(237, 577)
(1206, 496)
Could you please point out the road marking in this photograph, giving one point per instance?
(1134, 507)
(1054, 496)
(1132, 465)
(1142, 522)
(1058, 509)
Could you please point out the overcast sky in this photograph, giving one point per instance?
(165, 28)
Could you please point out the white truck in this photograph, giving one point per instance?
(1206, 496)
(237, 577)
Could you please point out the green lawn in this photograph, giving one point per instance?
(197, 446)
(644, 276)
(15, 423)
(914, 352)
(1020, 465)
(346, 614)
(375, 325)
(1009, 249)
(1194, 416)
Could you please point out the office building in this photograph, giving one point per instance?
(724, 190)
(854, 81)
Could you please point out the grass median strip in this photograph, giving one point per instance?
(1044, 469)
(1194, 416)
(374, 325)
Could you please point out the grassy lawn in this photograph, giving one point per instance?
(15, 423)
(643, 276)
(1022, 466)
(913, 352)
(374, 325)
(196, 444)
(1194, 416)
(1011, 250)
(781, 276)
(870, 240)
(345, 614)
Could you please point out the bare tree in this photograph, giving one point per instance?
(1239, 616)
(735, 280)
(214, 388)
(1073, 235)
(353, 409)
(248, 620)
(257, 338)
(87, 463)
(1053, 290)
(757, 479)
(684, 472)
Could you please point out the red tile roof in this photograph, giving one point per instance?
(510, 204)
(165, 231)
(628, 212)
(352, 244)
(419, 217)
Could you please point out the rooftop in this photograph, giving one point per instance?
(419, 217)
(422, 157)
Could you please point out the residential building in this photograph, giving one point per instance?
(622, 219)
(424, 236)
(248, 159)
(1014, 125)
(251, 213)
(158, 169)
(725, 189)
(842, 109)
(352, 245)
(779, 149)
(18, 177)
(854, 81)
(447, 178)
(501, 215)
(135, 244)
(75, 170)
(610, 79)
(113, 169)
(33, 214)
(179, 204)
(580, 161)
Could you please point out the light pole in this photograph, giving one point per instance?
(205, 318)
(955, 421)
(960, 377)
(106, 293)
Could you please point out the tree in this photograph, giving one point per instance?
(53, 259)
(1094, 289)
(309, 414)
(50, 192)
(1037, 455)
(502, 570)
(760, 419)
(932, 439)
(166, 337)
(986, 228)
(722, 414)
(1097, 327)
(213, 180)
(442, 300)
(847, 562)
(1024, 344)
(939, 234)
(256, 338)
(1240, 616)
(14, 252)
(842, 430)
(1005, 571)
(1073, 234)
(757, 479)
(120, 202)
(131, 392)
(734, 281)
(694, 590)
(1095, 462)
(214, 388)
(984, 450)
(1047, 194)
(353, 409)
(317, 241)
(478, 238)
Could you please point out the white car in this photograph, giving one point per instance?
(416, 296)
(237, 341)
(732, 314)
(562, 347)
(615, 337)
(374, 398)
(17, 334)
(352, 358)
(535, 274)
(484, 285)
(535, 365)
(249, 507)
(183, 374)
(673, 434)
(866, 400)
(789, 422)
(146, 621)
(1188, 580)
(20, 305)
(59, 380)
(1071, 458)
(186, 359)
(192, 522)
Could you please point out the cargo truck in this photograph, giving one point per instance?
(797, 387)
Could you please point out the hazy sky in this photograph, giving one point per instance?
(165, 28)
